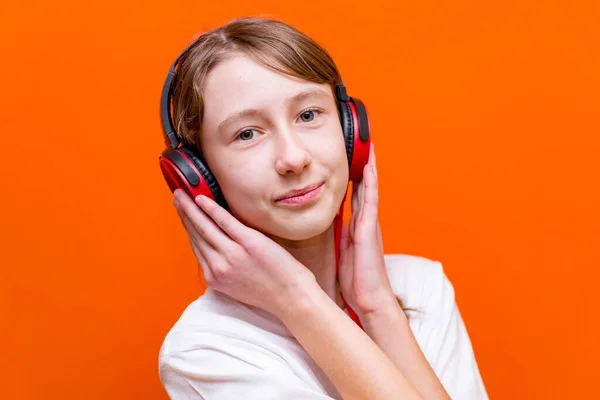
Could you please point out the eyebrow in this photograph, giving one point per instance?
(250, 112)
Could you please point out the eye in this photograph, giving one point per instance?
(309, 115)
(246, 135)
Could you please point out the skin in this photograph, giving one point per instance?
(285, 151)
(282, 259)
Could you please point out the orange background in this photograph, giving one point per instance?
(486, 121)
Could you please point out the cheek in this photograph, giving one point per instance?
(243, 189)
(332, 153)
(239, 183)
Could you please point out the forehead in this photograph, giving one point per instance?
(240, 82)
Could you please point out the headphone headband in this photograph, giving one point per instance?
(170, 135)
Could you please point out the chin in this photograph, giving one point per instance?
(304, 225)
(304, 232)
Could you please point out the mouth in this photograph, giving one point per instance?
(301, 196)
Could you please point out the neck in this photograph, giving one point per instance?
(318, 255)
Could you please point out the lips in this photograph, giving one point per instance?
(299, 192)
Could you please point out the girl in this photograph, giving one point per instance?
(257, 99)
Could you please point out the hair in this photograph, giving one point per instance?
(271, 43)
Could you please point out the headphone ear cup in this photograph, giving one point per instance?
(183, 168)
(347, 129)
(355, 125)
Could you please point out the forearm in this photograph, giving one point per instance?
(356, 366)
(391, 331)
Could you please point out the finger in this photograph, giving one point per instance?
(344, 240)
(346, 255)
(379, 236)
(361, 191)
(371, 200)
(206, 226)
(207, 253)
(199, 246)
(224, 220)
(372, 159)
(354, 210)
(193, 234)
(351, 227)
(354, 197)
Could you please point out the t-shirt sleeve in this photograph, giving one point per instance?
(224, 368)
(445, 342)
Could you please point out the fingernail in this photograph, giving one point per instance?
(201, 199)
(176, 202)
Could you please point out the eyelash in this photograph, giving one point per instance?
(316, 110)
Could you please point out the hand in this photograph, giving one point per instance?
(363, 276)
(240, 261)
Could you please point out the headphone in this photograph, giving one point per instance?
(184, 168)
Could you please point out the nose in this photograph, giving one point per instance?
(292, 155)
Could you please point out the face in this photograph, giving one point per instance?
(265, 134)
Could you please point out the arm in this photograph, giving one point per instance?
(366, 287)
(443, 342)
(390, 330)
(356, 366)
(203, 363)
(249, 267)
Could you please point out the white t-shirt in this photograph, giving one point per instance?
(223, 349)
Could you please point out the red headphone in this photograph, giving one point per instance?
(184, 168)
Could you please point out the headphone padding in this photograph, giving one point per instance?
(206, 175)
(348, 129)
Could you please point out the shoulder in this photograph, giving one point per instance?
(425, 291)
(437, 323)
(221, 349)
(420, 282)
(215, 319)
